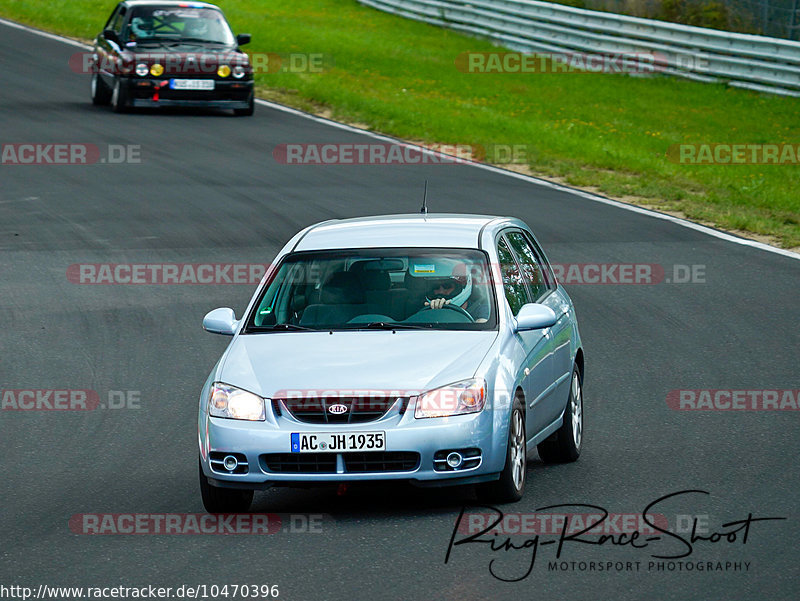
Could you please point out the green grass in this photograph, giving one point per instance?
(609, 132)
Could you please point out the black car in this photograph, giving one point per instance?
(153, 54)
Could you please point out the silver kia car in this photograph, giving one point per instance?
(432, 348)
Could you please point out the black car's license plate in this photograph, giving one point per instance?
(191, 84)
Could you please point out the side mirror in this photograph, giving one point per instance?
(221, 321)
(533, 316)
(243, 38)
(111, 36)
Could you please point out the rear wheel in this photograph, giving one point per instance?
(101, 95)
(119, 98)
(223, 500)
(511, 485)
(565, 444)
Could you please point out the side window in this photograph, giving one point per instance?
(547, 270)
(530, 264)
(118, 19)
(112, 18)
(513, 283)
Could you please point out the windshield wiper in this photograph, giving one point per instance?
(386, 325)
(197, 41)
(286, 327)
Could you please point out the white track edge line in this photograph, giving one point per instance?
(527, 178)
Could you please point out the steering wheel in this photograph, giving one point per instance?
(454, 308)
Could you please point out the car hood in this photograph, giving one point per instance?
(307, 363)
(194, 49)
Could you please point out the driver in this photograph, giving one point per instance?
(457, 290)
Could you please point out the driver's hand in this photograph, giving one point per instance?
(437, 303)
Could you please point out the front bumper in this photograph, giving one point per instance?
(156, 92)
(404, 433)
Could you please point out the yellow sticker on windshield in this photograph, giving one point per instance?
(424, 269)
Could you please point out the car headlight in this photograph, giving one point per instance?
(224, 71)
(156, 70)
(238, 71)
(459, 398)
(235, 403)
(142, 70)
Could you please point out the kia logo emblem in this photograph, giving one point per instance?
(337, 409)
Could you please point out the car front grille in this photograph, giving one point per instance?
(340, 410)
(390, 461)
(325, 463)
(299, 463)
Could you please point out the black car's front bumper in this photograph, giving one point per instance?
(152, 92)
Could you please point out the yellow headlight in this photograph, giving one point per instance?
(156, 70)
(224, 71)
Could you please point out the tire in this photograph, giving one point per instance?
(511, 485)
(101, 95)
(223, 500)
(119, 98)
(565, 444)
(248, 112)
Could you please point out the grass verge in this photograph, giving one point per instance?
(604, 132)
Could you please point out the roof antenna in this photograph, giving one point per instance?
(424, 209)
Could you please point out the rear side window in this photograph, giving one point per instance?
(530, 264)
(513, 282)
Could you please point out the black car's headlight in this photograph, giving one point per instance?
(142, 69)
(458, 398)
(223, 70)
(234, 403)
(238, 71)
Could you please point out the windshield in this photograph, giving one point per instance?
(378, 289)
(178, 24)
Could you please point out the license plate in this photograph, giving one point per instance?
(337, 442)
(191, 84)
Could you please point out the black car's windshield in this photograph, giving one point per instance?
(177, 24)
(374, 289)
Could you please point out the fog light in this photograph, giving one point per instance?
(230, 462)
(141, 70)
(156, 70)
(454, 460)
(224, 71)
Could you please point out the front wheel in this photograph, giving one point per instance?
(101, 95)
(565, 444)
(248, 111)
(511, 485)
(119, 98)
(223, 500)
